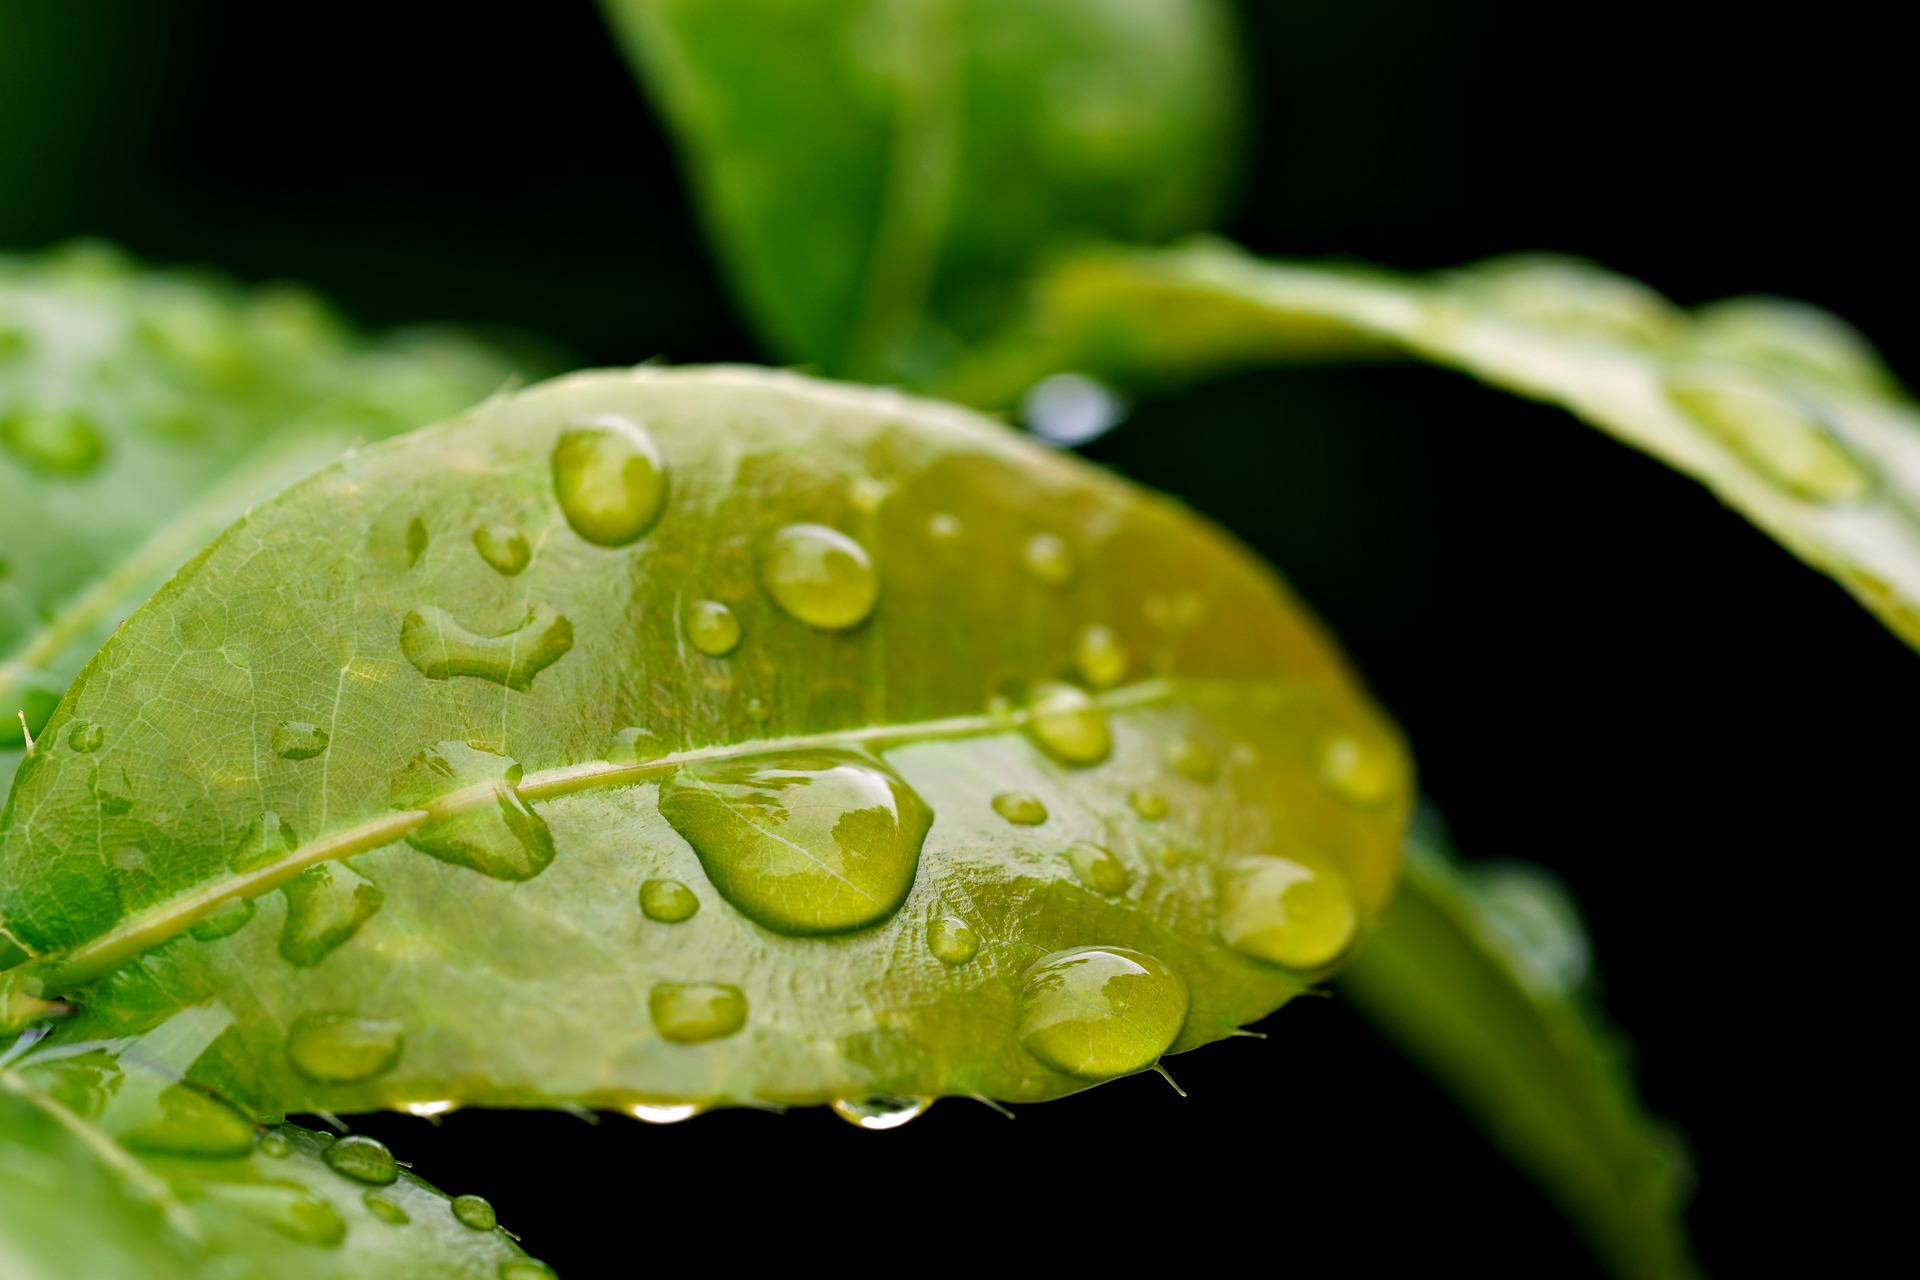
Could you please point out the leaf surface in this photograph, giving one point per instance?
(991, 758)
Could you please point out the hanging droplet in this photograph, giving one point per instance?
(1020, 807)
(326, 905)
(342, 1048)
(951, 940)
(474, 1212)
(190, 1123)
(500, 837)
(525, 1269)
(54, 442)
(1150, 805)
(1068, 724)
(267, 839)
(668, 901)
(692, 1012)
(804, 842)
(86, 738)
(1287, 912)
(385, 1208)
(610, 479)
(229, 917)
(1191, 759)
(663, 1113)
(363, 1159)
(1098, 868)
(298, 740)
(1771, 431)
(819, 576)
(632, 746)
(1100, 1012)
(440, 648)
(1361, 769)
(880, 1111)
(712, 628)
(1048, 559)
(1100, 657)
(503, 547)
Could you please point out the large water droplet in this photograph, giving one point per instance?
(1069, 724)
(1098, 868)
(503, 547)
(633, 745)
(1771, 431)
(881, 1111)
(386, 1209)
(1100, 657)
(1287, 912)
(298, 740)
(609, 478)
(326, 905)
(712, 627)
(190, 1123)
(267, 839)
(1048, 559)
(668, 901)
(690, 1012)
(802, 842)
(499, 837)
(341, 1048)
(1100, 1012)
(440, 648)
(53, 442)
(86, 738)
(1361, 769)
(819, 576)
(363, 1159)
(951, 940)
(1020, 807)
(475, 1212)
(229, 917)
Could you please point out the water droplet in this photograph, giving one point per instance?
(632, 746)
(1150, 805)
(526, 1269)
(503, 548)
(1361, 769)
(294, 1213)
(1100, 1012)
(951, 940)
(475, 1212)
(416, 540)
(758, 711)
(1068, 724)
(802, 842)
(229, 917)
(868, 495)
(86, 738)
(298, 740)
(385, 1209)
(1771, 431)
(668, 901)
(1191, 759)
(1287, 912)
(275, 1145)
(113, 793)
(691, 1012)
(1069, 409)
(712, 627)
(53, 442)
(1020, 807)
(267, 839)
(663, 1113)
(363, 1159)
(610, 479)
(500, 837)
(440, 648)
(819, 576)
(326, 905)
(1100, 657)
(341, 1048)
(1098, 868)
(945, 527)
(1048, 559)
(881, 1111)
(190, 1123)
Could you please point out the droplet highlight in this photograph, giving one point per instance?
(712, 628)
(342, 1048)
(1286, 912)
(326, 905)
(952, 941)
(663, 1113)
(500, 836)
(298, 740)
(1068, 724)
(440, 648)
(1048, 558)
(1100, 1012)
(694, 1012)
(819, 576)
(668, 901)
(881, 1111)
(503, 547)
(1020, 807)
(610, 479)
(363, 1159)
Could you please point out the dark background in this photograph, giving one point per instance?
(1601, 669)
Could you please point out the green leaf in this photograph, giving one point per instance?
(1483, 974)
(109, 1166)
(993, 752)
(141, 412)
(881, 176)
(1781, 409)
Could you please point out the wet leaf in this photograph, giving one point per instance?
(637, 874)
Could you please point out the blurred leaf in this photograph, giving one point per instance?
(1482, 974)
(881, 175)
(634, 750)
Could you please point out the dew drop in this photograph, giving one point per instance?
(53, 442)
(503, 547)
(758, 711)
(267, 839)
(632, 746)
(803, 842)
(1100, 1012)
(86, 738)
(1361, 769)
(363, 1159)
(1020, 807)
(474, 1212)
(668, 901)
(944, 527)
(417, 540)
(881, 1111)
(326, 905)
(298, 740)
(500, 836)
(275, 1145)
(229, 917)
(663, 1113)
(526, 1269)
(1068, 724)
(1100, 657)
(1771, 432)
(1098, 868)
(1284, 911)
(440, 648)
(341, 1048)
(385, 1209)
(819, 576)
(1048, 559)
(1150, 805)
(293, 1213)
(190, 1123)
(692, 1012)
(951, 940)
(609, 478)
(712, 627)
(1191, 759)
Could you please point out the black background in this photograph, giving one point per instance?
(1601, 669)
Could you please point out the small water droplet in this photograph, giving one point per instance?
(326, 905)
(386, 1209)
(1191, 759)
(668, 901)
(868, 495)
(1069, 409)
(503, 547)
(944, 527)
(712, 627)
(951, 940)
(190, 1123)
(881, 1111)
(363, 1159)
(1098, 868)
(1068, 724)
(475, 1212)
(298, 740)
(417, 540)
(1100, 657)
(663, 1113)
(294, 1213)
(229, 917)
(501, 837)
(267, 839)
(54, 442)
(86, 738)
(342, 1048)
(802, 842)
(1048, 559)
(758, 711)
(1773, 432)
(1100, 1012)
(609, 478)
(692, 1012)
(1361, 769)
(1150, 805)
(276, 1146)
(440, 648)
(1284, 911)
(1020, 807)
(526, 1269)
(819, 576)
(632, 746)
